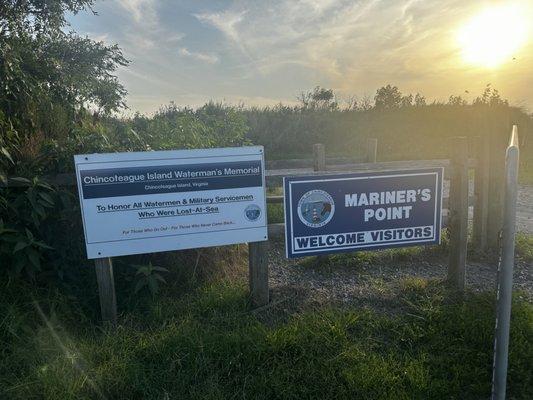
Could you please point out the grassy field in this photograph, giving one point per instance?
(207, 343)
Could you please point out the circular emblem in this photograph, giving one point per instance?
(252, 212)
(316, 208)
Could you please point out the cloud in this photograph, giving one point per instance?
(344, 42)
(205, 57)
(142, 11)
(225, 21)
(145, 30)
(274, 49)
(99, 37)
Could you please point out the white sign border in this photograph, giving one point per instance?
(356, 247)
(106, 249)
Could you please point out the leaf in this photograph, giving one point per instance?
(19, 246)
(6, 230)
(47, 198)
(34, 258)
(13, 238)
(140, 284)
(35, 220)
(4, 151)
(39, 210)
(43, 185)
(152, 285)
(19, 265)
(43, 245)
(143, 269)
(21, 180)
(29, 234)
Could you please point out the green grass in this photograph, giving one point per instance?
(275, 213)
(209, 344)
(524, 247)
(525, 176)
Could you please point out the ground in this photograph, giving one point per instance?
(366, 325)
(524, 214)
(375, 281)
(355, 279)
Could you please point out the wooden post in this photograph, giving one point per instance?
(319, 157)
(258, 273)
(458, 225)
(481, 193)
(371, 150)
(496, 183)
(106, 290)
(319, 164)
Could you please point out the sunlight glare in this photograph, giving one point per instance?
(493, 36)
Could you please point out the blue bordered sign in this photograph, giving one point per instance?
(347, 212)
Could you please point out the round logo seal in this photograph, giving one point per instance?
(252, 212)
(316, 208)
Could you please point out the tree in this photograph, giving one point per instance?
(319, 98)
(456, 101)
(491, 97)
(420, 100)
(407, 101)
(47, 72)
(388, 97)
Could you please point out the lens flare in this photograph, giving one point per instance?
(493, 37)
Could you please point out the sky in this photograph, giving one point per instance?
(265, 52)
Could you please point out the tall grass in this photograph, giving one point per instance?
(208, 344)
(406, 133)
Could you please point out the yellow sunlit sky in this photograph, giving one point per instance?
(262, 53)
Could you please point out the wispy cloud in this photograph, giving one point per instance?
(226, 21)
(205, 57)
(275, 49)
(146, 30)
(142, 11)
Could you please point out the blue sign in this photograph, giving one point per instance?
(348, 212)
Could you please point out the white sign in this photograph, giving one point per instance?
(134, 203)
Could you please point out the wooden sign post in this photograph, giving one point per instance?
(258, 273)
(458, 226)
(106, 289)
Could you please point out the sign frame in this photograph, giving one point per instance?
(193, 160)
(289, 206)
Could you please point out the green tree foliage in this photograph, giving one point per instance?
(49, 74)
(49, 77)
(319, 99)
(406, 126)
(389, 97)
(490, 97)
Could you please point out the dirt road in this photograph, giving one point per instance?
(524, 214)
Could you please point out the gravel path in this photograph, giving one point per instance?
(524, 214)
(377, 285)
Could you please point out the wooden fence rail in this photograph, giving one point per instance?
(274, 177)
(457, 170)
(276, 199)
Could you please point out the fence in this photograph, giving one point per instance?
(505, 271)
(456, 169)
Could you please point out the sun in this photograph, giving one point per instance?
(493, 36)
